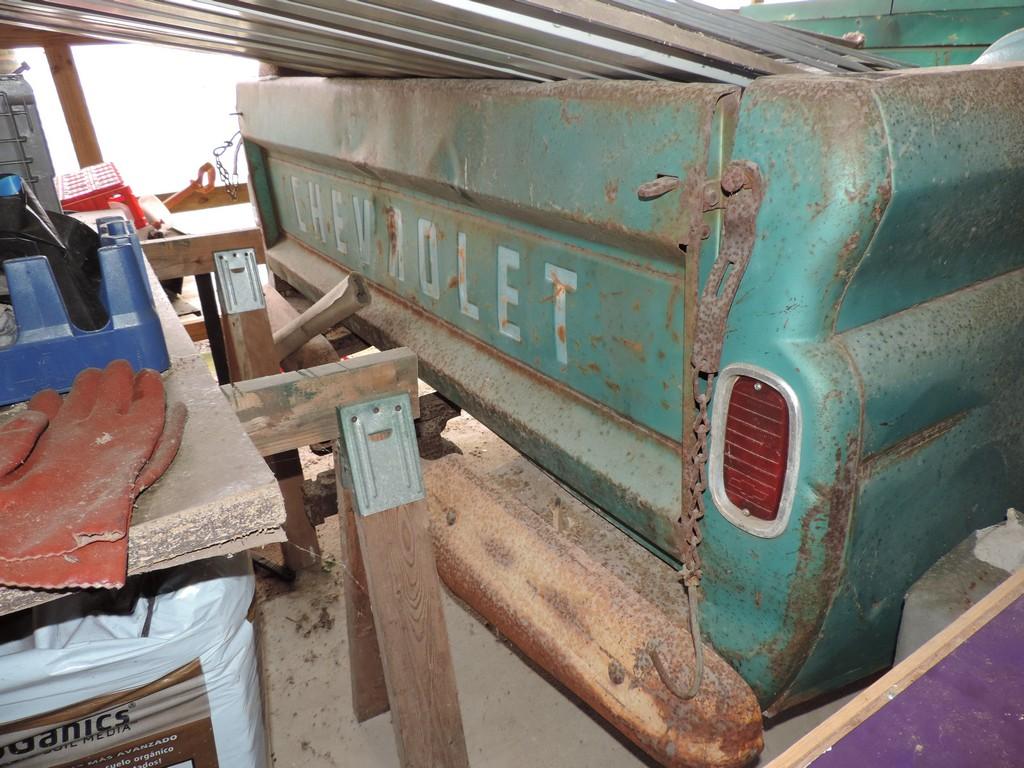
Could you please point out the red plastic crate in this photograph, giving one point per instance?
(95, 188)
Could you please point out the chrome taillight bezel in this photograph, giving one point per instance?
(766, 529)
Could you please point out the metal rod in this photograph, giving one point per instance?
(211, 317)
(537, 40)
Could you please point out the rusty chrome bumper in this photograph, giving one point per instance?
(584, 626)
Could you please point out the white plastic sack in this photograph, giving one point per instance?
(120, 684)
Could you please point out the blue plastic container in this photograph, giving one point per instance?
(50, 351)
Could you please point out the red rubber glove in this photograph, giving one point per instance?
(79, 483)
(99, 563)
(18, 438)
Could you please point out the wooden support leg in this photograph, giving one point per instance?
(72, 101)
(250, 352)
(302, 549)
(369, 691)
(405, 594)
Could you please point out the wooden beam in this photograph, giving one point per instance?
(885, 689)
(405, 595)
(199, 201)
(317, 351)
(250, 351)
(72, 101)
(196, 328)
(369, 689)
(193, 254)
(329, 311)
(290, 410)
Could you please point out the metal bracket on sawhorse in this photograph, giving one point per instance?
(251, 354)
(398, 642)
(384, 462)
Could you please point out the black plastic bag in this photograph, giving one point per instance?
(69, 245)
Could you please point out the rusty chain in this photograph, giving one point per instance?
(695, 479)
(741, 182)
(229, 179)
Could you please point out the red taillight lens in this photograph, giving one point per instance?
(756, 447)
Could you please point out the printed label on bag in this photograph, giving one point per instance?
(165, 724)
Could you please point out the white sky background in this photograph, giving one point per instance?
(158, 112)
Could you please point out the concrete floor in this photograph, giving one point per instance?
(514, 716)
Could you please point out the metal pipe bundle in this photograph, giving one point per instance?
(536, 40)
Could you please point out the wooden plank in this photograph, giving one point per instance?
(195, 327)
(250, 351)
(289, 410)
(369, 689)
(72, 101)
(869, 701)
(217, 197)
(193, 254)
(405, 592)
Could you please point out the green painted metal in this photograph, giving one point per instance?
(918, 32)
(871, 218)
(882, 288)
(568, 227)
(934, 56)
(261, 193)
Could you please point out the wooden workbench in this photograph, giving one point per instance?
(218, 497)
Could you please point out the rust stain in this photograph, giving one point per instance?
(560, 331)
(820, 565)
(636, 347)
(884, 196)
(843, 272)
(499, 552)
(611, 191)
(392, 230)
(844, 253)
(594, 367)
(563, 606)
(670, 313)
(568, 118)
(612, 385)
(586, 628)
(453, 281)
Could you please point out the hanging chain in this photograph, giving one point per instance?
(229, 178)
(741, 182)
(695, 479)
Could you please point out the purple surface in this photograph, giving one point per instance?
(966, 711)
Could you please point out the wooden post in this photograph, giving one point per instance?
(405, 595)
(250, 350)
(72, 101)
(369, 690)
(402, 585)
